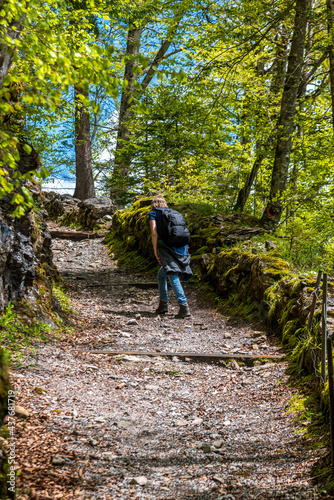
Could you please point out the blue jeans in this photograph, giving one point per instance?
(176, 286)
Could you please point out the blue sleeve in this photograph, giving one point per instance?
(152, 215)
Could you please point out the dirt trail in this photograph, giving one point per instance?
(130, 427)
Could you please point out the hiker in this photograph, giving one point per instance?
(170, 238)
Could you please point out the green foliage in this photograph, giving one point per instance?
(16, 335)
(63, 300)
(56, 48)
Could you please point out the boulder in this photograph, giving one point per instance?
(89, 214)
(25, 252)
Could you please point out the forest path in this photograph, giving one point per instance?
(130, 427)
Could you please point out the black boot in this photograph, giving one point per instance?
(183, 312)
(163, 307)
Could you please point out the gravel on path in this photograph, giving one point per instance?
(130, 427)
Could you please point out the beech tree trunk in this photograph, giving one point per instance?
(13, 31)
(263, 149)
(330, 13)
(84, 187)
(122, 155)
(285, 127)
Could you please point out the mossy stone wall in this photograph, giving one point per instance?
(260, 285)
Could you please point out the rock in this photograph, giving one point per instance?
(255, 347)
(123, 424)
(57, 460)
(87, 213)
(138, 316)
(270, 245)
(233, 365)
(244, 383)
(197, 421)
(257, 334)
(168, 331)
(48, 321)
(182, 422)
(262, 339)
(124, 334)
(259, 366)
(227, 335)
(217, 444)
(21, 412)
(39, 390)
(132, 322)
(100, 419)
(206, 448)
(136, 359)
(109, 456)
(203, 327)
(92, 202)
(140, 480)
(227, 423)
(220, 480)
(225, 346)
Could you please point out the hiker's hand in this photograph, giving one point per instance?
(158, 259)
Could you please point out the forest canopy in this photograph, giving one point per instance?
(226, 104)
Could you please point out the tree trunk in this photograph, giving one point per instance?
(245, 190)
(262, 150)
(330, 13)
(274, 208)
(84, 187)
(13, 31)
(122, 155)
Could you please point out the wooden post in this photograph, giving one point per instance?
(311, 316)
(324, 328)
(331, 394)
(314, 302)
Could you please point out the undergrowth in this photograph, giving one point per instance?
(16, 335)
(63, 300)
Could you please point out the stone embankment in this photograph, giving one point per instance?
(26, 262)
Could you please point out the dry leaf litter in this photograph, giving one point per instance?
(129, 427)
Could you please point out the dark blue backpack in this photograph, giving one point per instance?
(174, 228)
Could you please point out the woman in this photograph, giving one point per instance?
(173, 261)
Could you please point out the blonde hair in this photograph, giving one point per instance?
(159, 201)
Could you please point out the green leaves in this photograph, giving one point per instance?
(27, 148)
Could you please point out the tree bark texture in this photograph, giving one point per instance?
(13, 30)
(285, 127)
(123, 155)
(330, 14)
(84, 187)
(263, 150)
(246, 189)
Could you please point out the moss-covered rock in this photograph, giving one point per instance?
(92, 214)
